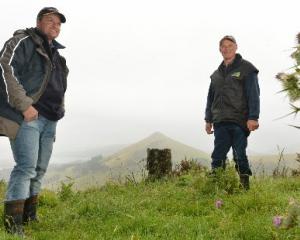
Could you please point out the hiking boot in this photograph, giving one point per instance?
(13, 217)
(244, 180)
(30, 208)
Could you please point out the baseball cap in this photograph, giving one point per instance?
(227, 37)
(50, 10)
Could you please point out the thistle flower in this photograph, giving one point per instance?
(219, 203)
(277, 221)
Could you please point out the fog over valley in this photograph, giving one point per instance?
(140, 67)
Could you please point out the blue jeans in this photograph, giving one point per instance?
(229, 135)
(32, 150)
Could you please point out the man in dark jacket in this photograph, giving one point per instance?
(33, 82)
(232, 108)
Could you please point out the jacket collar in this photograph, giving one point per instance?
(236, 62)
(40, 38)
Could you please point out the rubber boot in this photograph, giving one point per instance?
(13, 217)
(30, 208)
(244, 180)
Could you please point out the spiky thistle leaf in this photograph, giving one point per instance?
(291, 81)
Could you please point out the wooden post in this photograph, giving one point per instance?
(159, 163)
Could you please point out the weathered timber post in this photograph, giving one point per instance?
(159, 162)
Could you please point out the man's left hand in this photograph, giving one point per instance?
(252, 125)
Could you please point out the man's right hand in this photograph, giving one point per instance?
(30, 114)
(208, 128)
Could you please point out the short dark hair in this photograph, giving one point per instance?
(50, 10)
(227, 37)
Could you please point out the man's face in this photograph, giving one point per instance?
(50, 25)
(228, 49)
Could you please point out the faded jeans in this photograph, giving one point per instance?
(32, 150)
(229, 135)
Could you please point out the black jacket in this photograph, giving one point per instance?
(25, 69)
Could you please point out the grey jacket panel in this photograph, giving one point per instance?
(8, 128)
(16, 95)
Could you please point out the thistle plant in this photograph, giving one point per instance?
(277, 221)
(219, 203)
(291, 81)
(291, 219)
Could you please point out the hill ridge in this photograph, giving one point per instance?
(157, 140)
(127, 160)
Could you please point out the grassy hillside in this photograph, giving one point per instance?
(181, 207)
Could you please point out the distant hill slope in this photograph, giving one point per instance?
(265, 164)
(134, 153)
(130, 159)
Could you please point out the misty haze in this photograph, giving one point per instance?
(137, 68)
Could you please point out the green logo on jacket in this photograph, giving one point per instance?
(236, 74)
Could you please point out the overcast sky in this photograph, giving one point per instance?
(137, 67)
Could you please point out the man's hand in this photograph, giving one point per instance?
(208, 128)
(252, 125)
(30, 114)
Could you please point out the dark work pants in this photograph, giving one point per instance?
(229, 135)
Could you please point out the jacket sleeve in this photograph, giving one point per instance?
(253, 96)
(12, 60)
(210, 98)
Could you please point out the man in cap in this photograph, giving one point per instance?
(33, 82)
(232, 109)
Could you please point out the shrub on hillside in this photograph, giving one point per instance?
(219, 180)
(66, 191)
(48, 198)
(281, 169)
(186, 166)
(296, 172)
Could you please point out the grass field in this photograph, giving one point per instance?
(181, 207)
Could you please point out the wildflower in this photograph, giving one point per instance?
(277, 221)
(219, 203)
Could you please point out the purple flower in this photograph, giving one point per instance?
(219, 203)
(277, 221)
